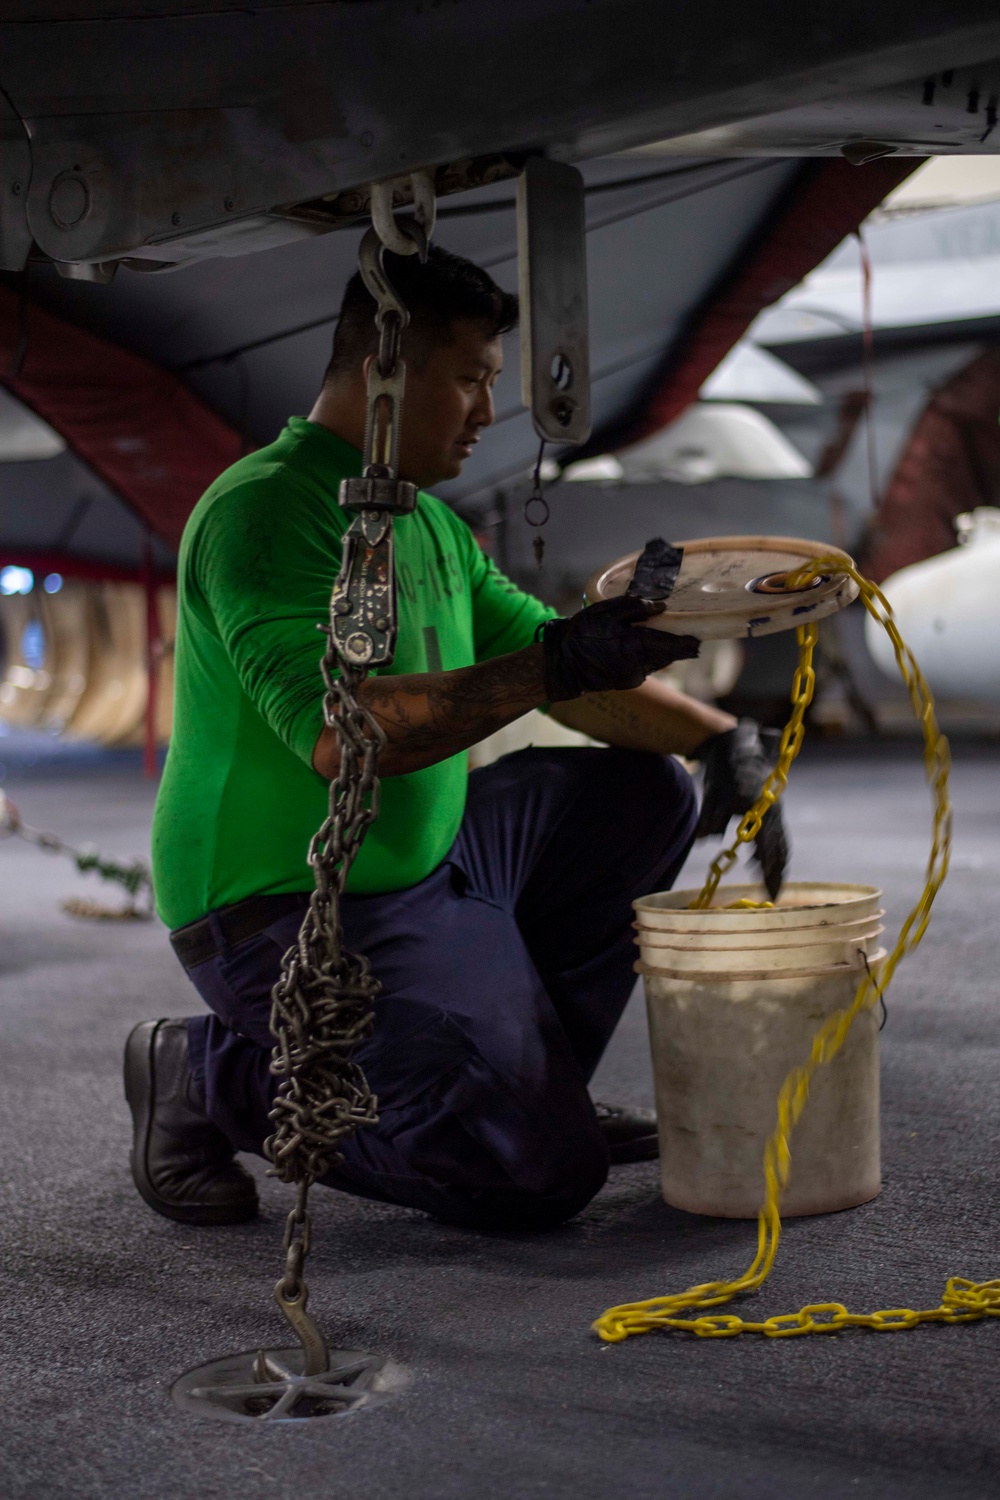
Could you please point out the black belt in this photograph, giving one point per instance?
(196, 943)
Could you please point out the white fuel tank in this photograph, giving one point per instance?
(948, 612)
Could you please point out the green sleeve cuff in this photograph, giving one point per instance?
(306, 730)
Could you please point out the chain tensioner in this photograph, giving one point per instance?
(323, 1002)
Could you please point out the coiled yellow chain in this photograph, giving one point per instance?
(963, 1301)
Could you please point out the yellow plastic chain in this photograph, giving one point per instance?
(963, 1301)
(803, 687)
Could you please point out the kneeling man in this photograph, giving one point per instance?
(495, 908)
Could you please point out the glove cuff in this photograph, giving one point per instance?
(559, 684)
(710, 747)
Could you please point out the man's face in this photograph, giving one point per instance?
(447, 402)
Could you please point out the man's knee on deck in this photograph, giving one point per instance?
(472, 1145)
(542, 1200)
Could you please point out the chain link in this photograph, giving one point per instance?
(296, 1243)
(963, 1301)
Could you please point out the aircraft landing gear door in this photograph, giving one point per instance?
(552, 271)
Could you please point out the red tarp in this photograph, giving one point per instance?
(146, 434)
(950, 464)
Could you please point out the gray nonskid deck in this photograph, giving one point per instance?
(511, 1396)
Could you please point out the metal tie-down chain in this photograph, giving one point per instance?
(135, 877)
(323, 1002)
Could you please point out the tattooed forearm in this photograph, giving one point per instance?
(653, 717)
(428, 716)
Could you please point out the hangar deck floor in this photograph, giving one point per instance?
(512, 1397)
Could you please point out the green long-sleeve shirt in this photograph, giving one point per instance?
(240, 800)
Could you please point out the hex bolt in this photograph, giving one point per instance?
(175, 218)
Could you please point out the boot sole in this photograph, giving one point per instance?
(140, 1095)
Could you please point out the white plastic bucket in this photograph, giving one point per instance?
(801, 904)
(723, 1043)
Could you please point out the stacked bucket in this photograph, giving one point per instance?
(735, 994)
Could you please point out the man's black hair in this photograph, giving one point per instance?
(437, 293)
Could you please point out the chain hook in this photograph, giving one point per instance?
(402, 237)
(391, 317)
(292, 1294)
(406, 236)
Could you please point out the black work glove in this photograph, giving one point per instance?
(604, 647)
(737, 763)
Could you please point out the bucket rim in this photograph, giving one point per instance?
(673, 901)
(802, 904)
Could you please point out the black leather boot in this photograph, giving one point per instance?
(181, 1163)
(630, 1133)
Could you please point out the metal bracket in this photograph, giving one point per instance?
(552, 274)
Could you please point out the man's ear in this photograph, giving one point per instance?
(369, 361)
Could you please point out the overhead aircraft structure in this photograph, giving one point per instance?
(154, 133)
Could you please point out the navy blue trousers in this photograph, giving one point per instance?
(504, 974)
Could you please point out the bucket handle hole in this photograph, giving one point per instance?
(777, 583)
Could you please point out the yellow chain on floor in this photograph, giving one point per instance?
(963, 1301)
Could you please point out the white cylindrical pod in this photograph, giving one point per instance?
(948, 612)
